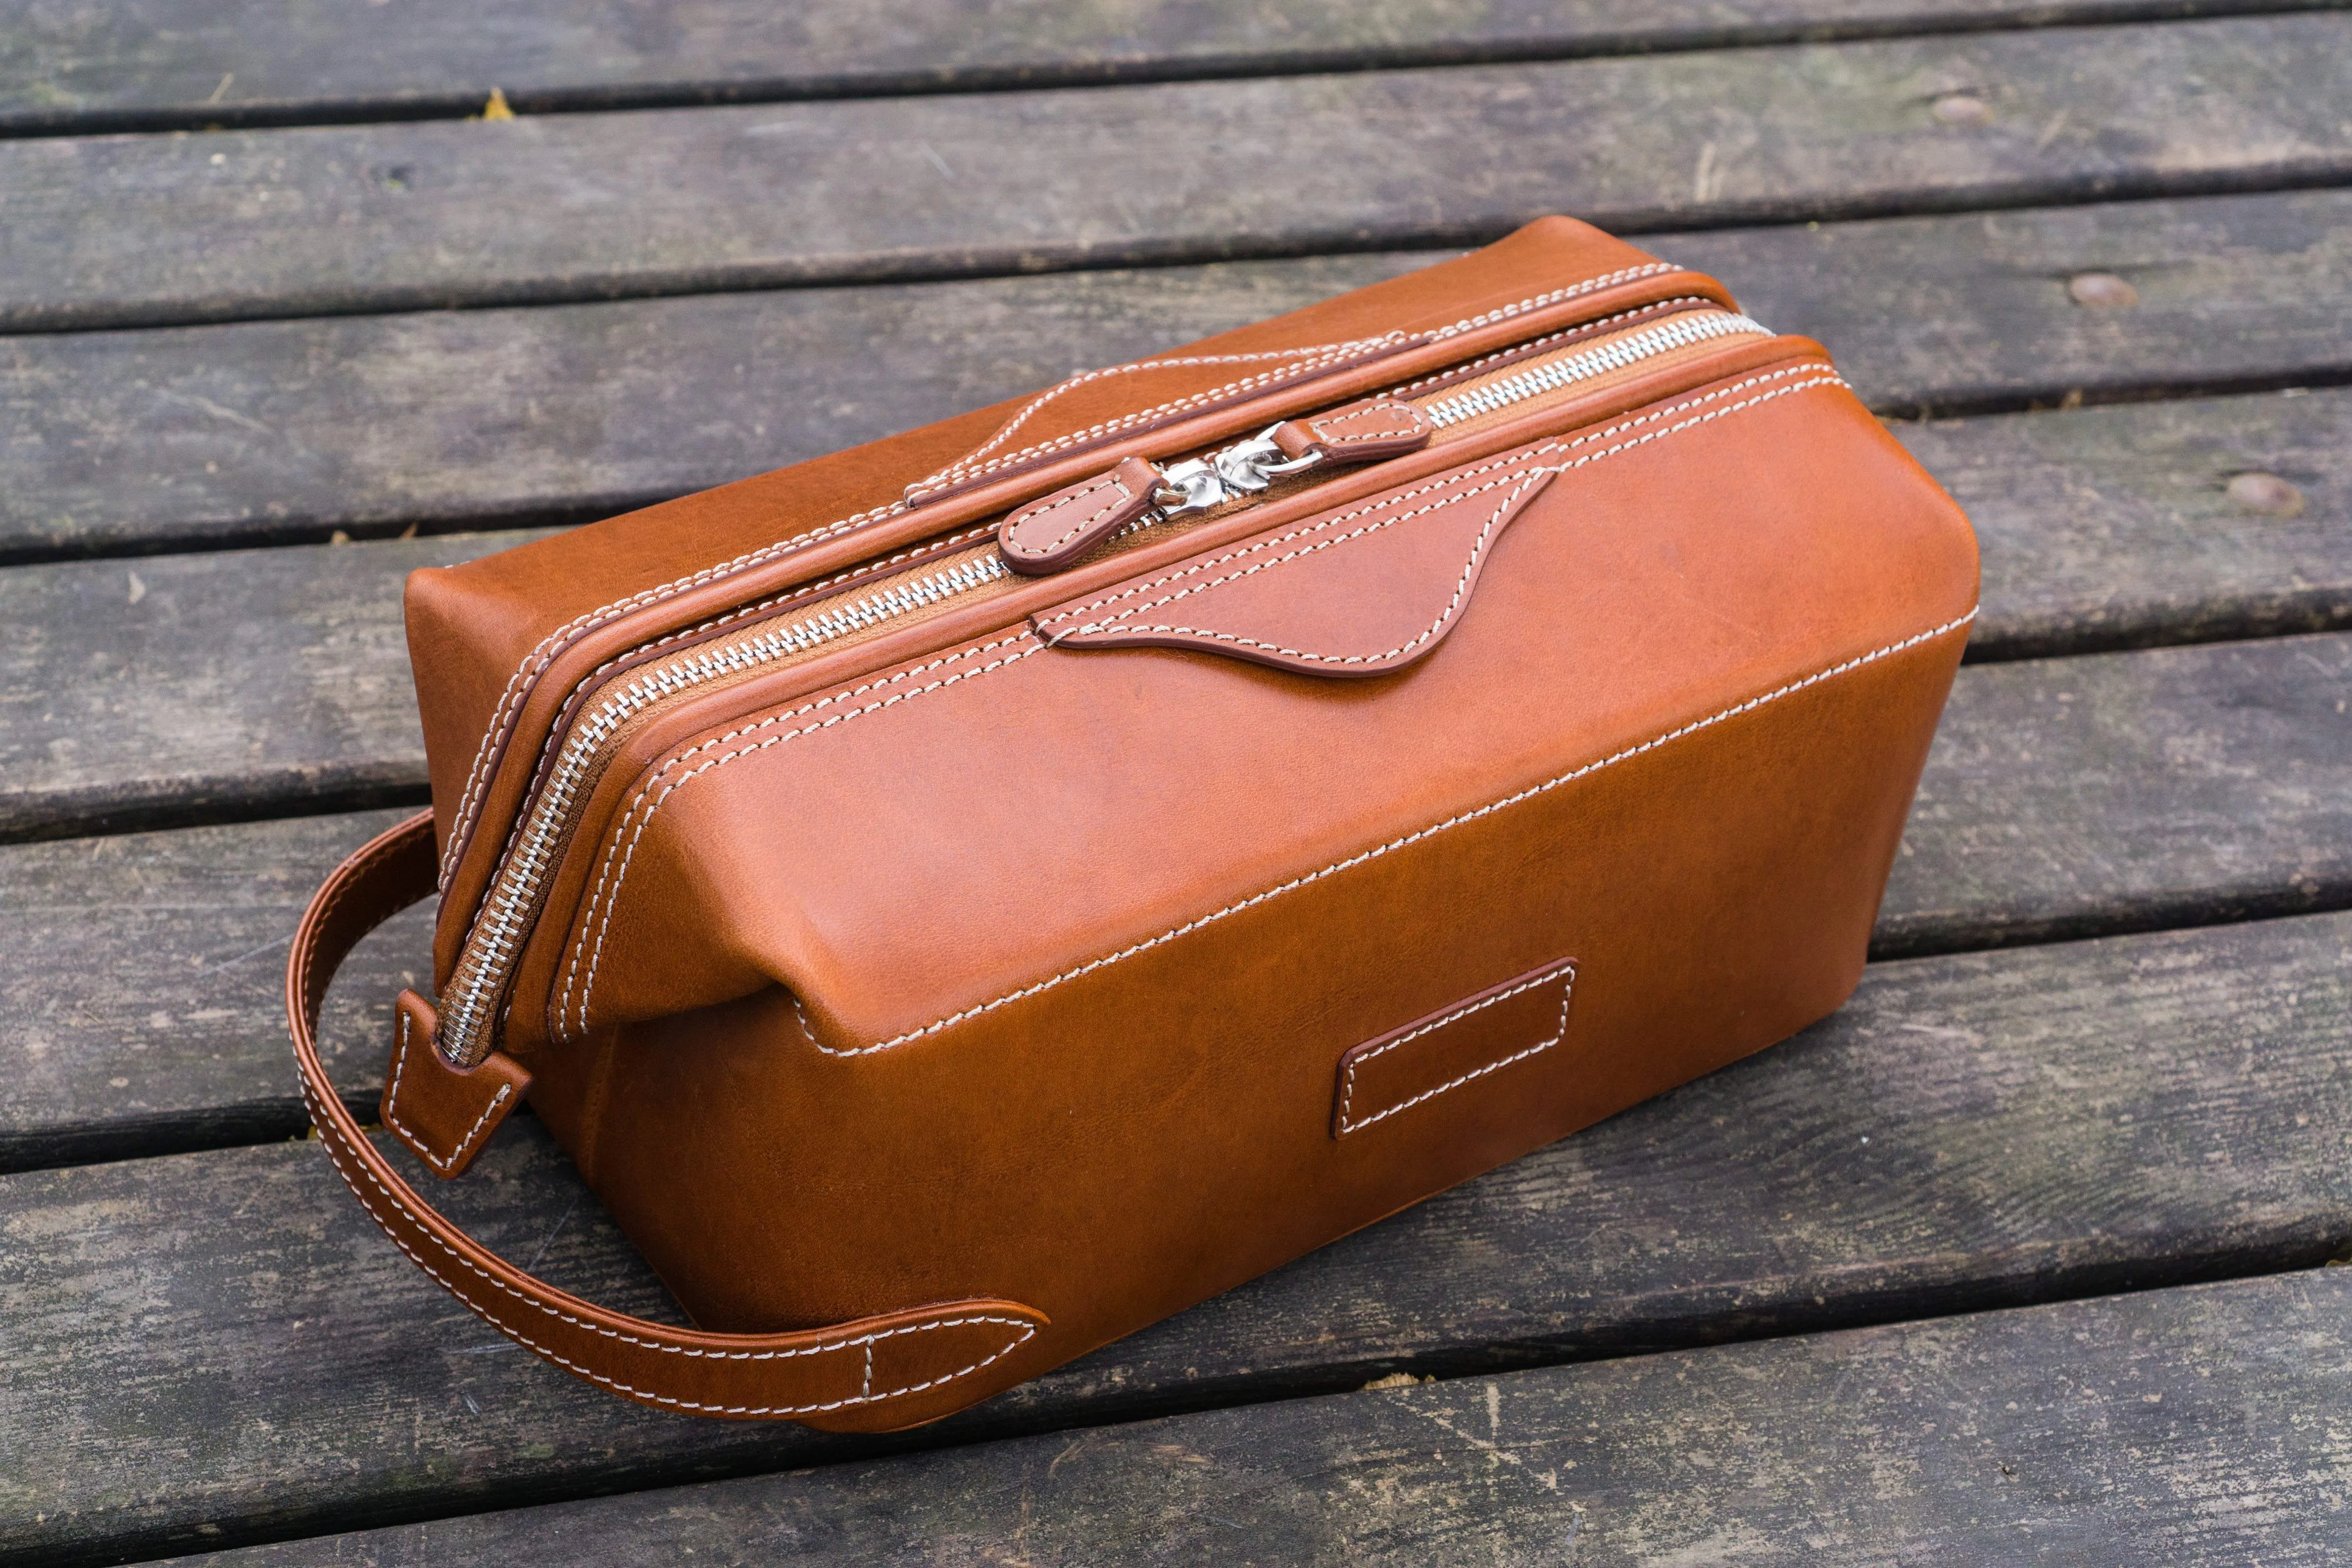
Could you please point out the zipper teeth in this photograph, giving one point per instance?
(490, 945)
(1553, 374)
(462, 1021)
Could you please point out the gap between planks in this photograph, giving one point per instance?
(1969, 1132)
(269, 225)
(263, 433)
(729, 54)
(2063, 799)
(2173, 1426)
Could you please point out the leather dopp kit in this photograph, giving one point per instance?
(960, 900)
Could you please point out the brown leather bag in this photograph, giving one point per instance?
(963, 899)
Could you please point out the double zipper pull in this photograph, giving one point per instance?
(1054, 531)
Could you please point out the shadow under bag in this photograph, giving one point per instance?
(962, 899)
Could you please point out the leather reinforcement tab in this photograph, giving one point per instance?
(1365, 592)
(1054, 531)
(446, 1116)
(1453, 1046)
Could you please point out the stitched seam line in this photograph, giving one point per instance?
(1517, 351)
(328, 1141)
(543, 654)
(1348, 1092)
(966, 468)
(369, 859)
(1817, 374)
(1416, 837)
(1009, 542)
(653, 802)
(595, 953)
(1330, 429)
(503, 920)
(415, 1141)
(535, 663)
(1452, 605)
(863, 569)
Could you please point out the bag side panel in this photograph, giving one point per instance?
(1118, 1147)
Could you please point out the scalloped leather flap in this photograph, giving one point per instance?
(1364, 591)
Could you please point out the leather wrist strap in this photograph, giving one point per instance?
(879, 1373)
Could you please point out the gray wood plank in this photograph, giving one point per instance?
(2110, 527)
(2176, 1426)
(544, 208)
(269, 432)
(164, 64)
(208, 687)
(220, 1340)
(142, 1013)
(2129, 791)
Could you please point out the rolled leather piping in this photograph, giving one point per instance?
(878, 1374)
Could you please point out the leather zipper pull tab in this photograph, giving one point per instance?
(1366, 432)
(1054, 531)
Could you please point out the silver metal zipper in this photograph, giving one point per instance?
(1550, 375)
(1198, 485)
(464, 1035)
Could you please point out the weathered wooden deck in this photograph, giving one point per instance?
(2019, 1258)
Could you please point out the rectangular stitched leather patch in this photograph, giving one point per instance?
(1452, 1046)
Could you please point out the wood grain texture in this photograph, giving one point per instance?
(2178, 1427)
(2109, 527)
(222, 1340)
(270, 432)
(547, 208)
(194, 687)
(2130, 790)
(191, 63)
(142, 1012)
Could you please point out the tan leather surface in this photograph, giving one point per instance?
(1146, 1134)
(987, 960)
(499, 645)
(1142, 785)
(1056, 529)
(1514, 1021)
(1367, 432)
(447, 1117)
(1362, 592)
(881, 1373)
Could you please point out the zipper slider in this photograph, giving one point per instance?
(1053, 531)
(1243, 468)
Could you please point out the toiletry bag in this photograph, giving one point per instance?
(962, 899)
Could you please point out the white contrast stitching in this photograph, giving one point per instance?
(1539, 301)
(645, 794)
(804, 590)
(1817, 375)
(1328, 427)
(392, 1102)
(1469, 369)
(1395, 844)
(1452, 605)
(579, 1020)
(536, 662)
(328, 1141)
(1347, 1086)
(1325, 354)
(964, 467)
(1109, 481)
